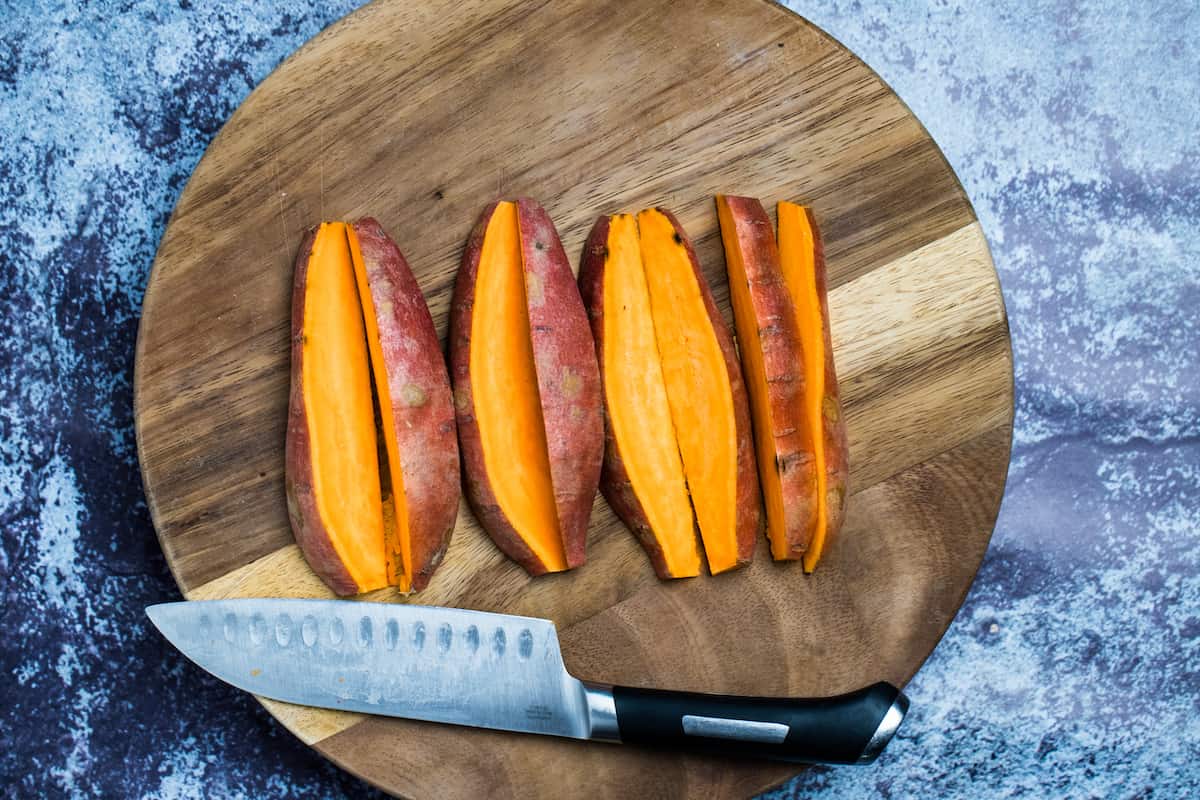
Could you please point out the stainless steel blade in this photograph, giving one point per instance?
(438, 664)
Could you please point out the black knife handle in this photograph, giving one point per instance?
(848, 729)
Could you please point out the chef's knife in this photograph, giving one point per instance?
(500, 671)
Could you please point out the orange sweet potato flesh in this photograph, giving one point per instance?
(802, 258)
(769, 343)
(568, 376)
(643, 475)
(526, 389)
(706, 391)
(421, 486)
(332, 472)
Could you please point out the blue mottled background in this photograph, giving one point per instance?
(1073, 670)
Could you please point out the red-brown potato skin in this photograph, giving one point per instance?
(307, 525)
(474, 469)
(568, 376)
(837, 448)
(748, 497)
(422, 405)
(779, 338)
(614, 480)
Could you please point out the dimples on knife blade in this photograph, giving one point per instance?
(437, 664)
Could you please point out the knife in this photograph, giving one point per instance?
(504, 672)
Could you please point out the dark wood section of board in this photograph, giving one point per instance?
(420, 113)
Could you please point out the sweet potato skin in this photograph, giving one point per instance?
(567, 373)
(748, 497)
(474, 469)
(422, 406)
(307, 525)
(779, 338)
(837, 448)
(614, 481)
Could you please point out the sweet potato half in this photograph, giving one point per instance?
(526, 389)
(802, 257)
(778, 295)
(678, 437)
(372, 457)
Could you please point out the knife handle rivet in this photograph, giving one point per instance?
(472, 638)
(308, 631)
(337, 631)
(419, 636)
(230, 628)
(365, 632)
(283, 630)
(445, 637)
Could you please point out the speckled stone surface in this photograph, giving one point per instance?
(1073, 670)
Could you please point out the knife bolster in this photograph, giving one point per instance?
(601, 712)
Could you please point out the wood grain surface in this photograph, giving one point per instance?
(420, 113)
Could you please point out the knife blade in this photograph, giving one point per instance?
(499, 671)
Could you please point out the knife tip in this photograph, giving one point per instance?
(156, 613)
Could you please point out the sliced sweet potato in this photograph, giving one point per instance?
(567, 375)
(707, 395)
(802, 259)
(526, 389)
(332, 472)
(643, 478)
(421, 486)
(769, 343)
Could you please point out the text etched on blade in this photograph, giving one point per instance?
(538, 712)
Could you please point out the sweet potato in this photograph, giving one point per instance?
(643, 478)
(707, 393)
(372, 496)
(421, 479)
(526, 389)
(332, 472)
(674, 397)
(769, 343)
(802, 258)
(567, 375)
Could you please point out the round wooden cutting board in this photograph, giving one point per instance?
(420, 113)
